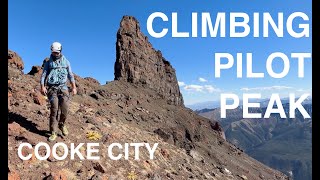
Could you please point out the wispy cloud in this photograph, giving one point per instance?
(193, 87)
(304, 90)
(268, 88)
(211, 89)
(181, 83)
(200, 88)
(202, 79)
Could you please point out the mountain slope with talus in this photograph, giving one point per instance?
(142, 104)
(282, 143)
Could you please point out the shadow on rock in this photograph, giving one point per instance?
(24, 122)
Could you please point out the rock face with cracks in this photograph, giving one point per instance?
(132, 108)
(138, 62)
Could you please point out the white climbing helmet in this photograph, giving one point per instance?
(56, 47)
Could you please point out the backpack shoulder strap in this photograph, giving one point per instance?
(63, 64)
(64, 61)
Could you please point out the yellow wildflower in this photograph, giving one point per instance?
(92, 135)
(132, 176)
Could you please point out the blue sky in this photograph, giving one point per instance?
(87, 31)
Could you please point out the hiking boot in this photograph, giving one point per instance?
(52, 137)
(64, 130)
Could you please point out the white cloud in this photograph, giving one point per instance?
(193, 87)
(266, 88)
(211, 89)
(202, 79)
(199, 88)
(304, 90)
(181, 83)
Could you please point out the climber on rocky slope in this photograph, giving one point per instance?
(56, 72)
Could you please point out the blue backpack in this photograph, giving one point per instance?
(58, 72)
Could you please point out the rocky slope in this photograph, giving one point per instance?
(143, 104)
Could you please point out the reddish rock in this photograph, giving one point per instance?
(164, 153)
(146, 164)
(38, 98)
(138, 62)
(99, 167)
(14, 129)
(13, 176)
(36, 70)
(60, 175)
(85, 85)
(9, 100)
(92, 80)
(14, 60)
(63, 174)
(32, 160)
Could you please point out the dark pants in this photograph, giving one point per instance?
(59, 100)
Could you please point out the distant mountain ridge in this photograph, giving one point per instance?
(284, 144)
(216, 104)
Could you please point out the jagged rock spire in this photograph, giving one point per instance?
(138, 62)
